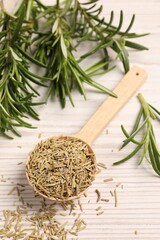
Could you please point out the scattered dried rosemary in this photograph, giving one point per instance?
(39, 223)
(61, 167)
(18, 224)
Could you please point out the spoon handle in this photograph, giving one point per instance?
(124, 90)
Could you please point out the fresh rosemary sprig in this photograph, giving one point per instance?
(16, 88)
(54, 49)
(90, 26)
(148, 145)
(69, 23)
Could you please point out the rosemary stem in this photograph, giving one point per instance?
(29, 8)
(144, 105)
(141, 98)
(57, 4)
(90, 21)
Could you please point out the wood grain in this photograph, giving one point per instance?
(137, 216)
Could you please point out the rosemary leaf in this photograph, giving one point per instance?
(69, 24)
(148, 144)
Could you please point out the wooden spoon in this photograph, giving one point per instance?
(124, 90)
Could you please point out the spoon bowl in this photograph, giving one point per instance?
(49, 158)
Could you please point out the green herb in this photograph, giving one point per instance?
(16, 79)
(143, 127)
(61, 168)
(58, 31)
(69, 24)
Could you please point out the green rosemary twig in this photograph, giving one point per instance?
(70, 23)
(148, 145)
(16, 88)
(90, 26)
(67, 24)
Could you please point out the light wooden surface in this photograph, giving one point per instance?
(139, 201)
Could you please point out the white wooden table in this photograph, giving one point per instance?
(138, 213)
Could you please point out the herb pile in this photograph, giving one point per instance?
(39, 219)
(61, 168)
(143, 126)
(48, 37)
(41, 224)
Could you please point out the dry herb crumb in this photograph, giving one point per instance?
(104, 200)
(136, 232)
(19, 163)
(63, 214)
(102, 165)
(74, 214)
(19, 146)
(39, 135)
(21, 185)
(12, 190)
(85, 195)
(98, 195)
(116, 198)
(79, 225)
(111, 193)
(118, 184)
(100, 213)
(80, 205)
(98, 171)
(64, 206)
(3, 180)
(108, 179)
(98, 208)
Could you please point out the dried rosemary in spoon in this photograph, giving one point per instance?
(61, 168)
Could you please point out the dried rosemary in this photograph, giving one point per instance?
(98, 195)
(18, 224)
(40, 223)
(61, 167)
